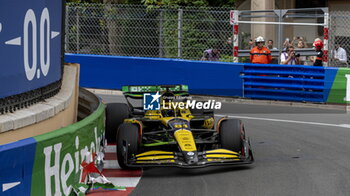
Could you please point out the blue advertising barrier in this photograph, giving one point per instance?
(202, 77)
(30, 44)
(256, 81)
(17, 160)
(287, 82)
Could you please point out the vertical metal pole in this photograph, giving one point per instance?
(179, 33)
(325, 39)
(280, 41)
(78, 32)
(235, 37)
(280, 32)
(161, 34)
(66, 30)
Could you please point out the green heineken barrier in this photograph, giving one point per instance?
(59, 154)
(340, 91)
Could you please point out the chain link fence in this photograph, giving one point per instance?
(134, 30)
(184, 33)
(339, 36)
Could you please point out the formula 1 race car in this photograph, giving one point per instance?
(174, 133)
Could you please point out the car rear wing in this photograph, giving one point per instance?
(138, 91)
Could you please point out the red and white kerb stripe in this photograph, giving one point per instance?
(325, 39)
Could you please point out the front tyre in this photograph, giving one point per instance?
(115, 115)
(127, 143)
(232, 134)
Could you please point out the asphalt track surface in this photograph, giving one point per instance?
(297, 151)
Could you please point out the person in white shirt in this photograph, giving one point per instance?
(289, 57)
(339, 54)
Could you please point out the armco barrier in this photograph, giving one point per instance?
(202, 77)
(49, 164)
(271, 81)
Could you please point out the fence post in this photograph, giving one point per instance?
(78, 31)
(66, 48)
(325, 38)
(281, 14)
(235, 36)
(179, 33)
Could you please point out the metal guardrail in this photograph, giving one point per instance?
(288, 83)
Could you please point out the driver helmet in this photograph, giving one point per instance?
(318, 44)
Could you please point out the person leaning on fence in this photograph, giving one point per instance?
(340, 57)
(289, 57)
(318, 44)
(260, 54)
(211, 55)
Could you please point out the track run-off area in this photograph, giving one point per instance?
(297, 151)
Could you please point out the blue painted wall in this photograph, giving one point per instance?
(275, 82)
(202, 77)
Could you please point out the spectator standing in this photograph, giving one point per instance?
(318, 44)
(289, 57)
(301, 45)
(313, 58)
(211, 55)
(250, 45)
(339, 55)
(286, 43)
(270, 45)
(260, 54)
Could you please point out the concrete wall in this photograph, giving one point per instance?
(47, 119)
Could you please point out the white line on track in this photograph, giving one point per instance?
(288, 121)
(122, 181)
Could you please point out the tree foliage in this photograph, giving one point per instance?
(210, 3)
(197, 3)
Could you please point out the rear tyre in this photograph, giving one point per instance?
(127, 137)
(115, 115)
(232, 134)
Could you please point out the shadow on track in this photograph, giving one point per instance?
(170, 171)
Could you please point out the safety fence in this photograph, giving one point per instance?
(339, 36)
(49, 164)
(283, 82)
(184, 33)
(135, 30)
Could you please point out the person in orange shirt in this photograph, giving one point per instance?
(260, 54)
